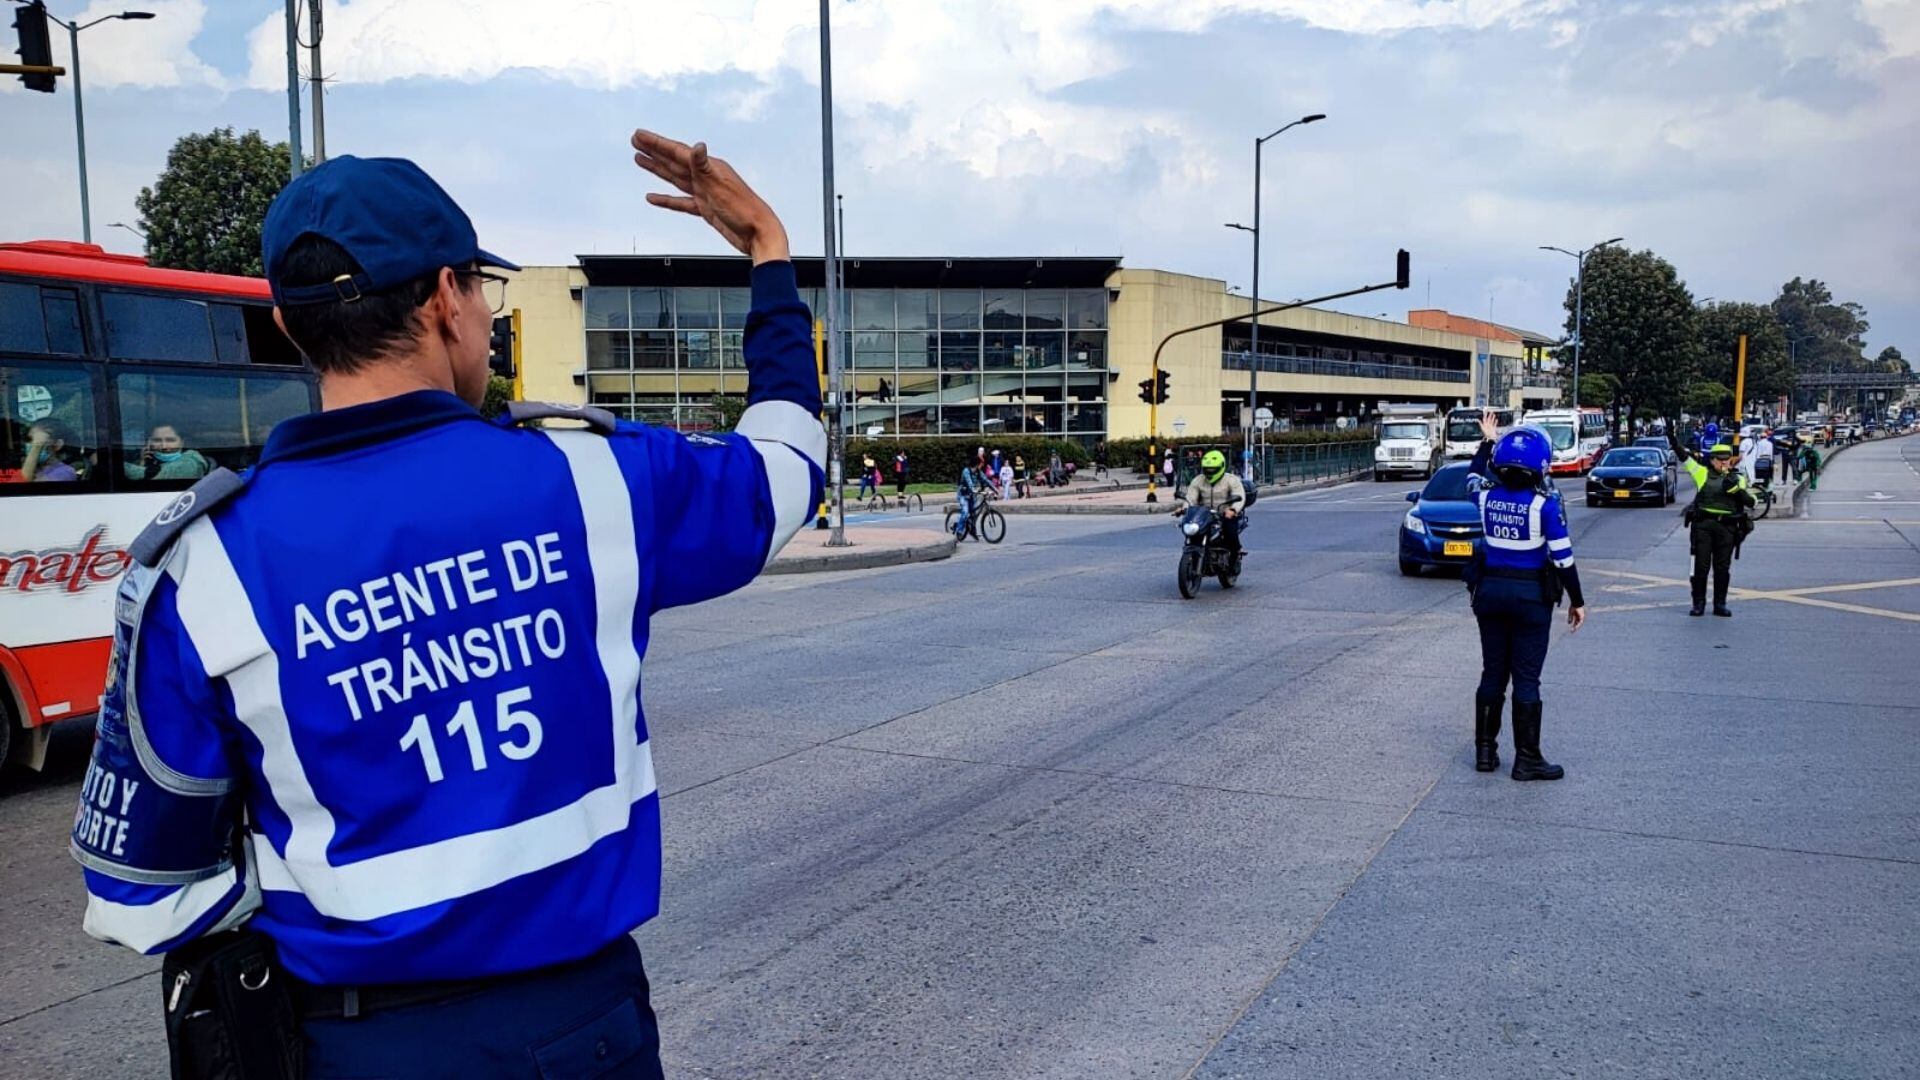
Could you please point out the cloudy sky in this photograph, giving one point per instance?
(1748, 141)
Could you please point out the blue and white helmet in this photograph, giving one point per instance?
(1520, 457)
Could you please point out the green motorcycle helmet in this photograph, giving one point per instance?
(1214, 465)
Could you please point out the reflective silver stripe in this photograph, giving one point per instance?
(215, 611)
(146, 927)
(793, 445)
(143, 580)
(137, 876)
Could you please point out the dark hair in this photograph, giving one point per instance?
(56, 431)
(338, 336)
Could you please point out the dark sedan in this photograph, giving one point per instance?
(1443, 526)
(1632, 474)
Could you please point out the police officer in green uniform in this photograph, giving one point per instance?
(1719, 520)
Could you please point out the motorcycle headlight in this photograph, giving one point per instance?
(1191, 528)
(1413, 524)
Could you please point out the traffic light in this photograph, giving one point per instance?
(500, 347)
(1402, 270)
(35, 50)
(1154, 391)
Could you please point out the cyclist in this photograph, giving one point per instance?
(968, 496)
(1214, 487)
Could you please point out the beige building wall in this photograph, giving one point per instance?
(553, 331)
(1154, 303)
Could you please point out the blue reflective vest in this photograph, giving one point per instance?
(1522, 529)
(384, 700)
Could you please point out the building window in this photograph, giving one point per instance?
(1087, 309)
(960, 309)
(1046, 309)
(918, 309)
(873, 309)
(606, 309)
(697, 309)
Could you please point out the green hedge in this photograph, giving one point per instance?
(939, 460)
(1131, 453)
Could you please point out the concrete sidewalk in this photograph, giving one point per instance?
(868, 546)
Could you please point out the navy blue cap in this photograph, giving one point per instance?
(388, 214)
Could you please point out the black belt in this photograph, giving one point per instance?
(348, 1002)
(1516, 575)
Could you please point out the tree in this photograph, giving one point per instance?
(1769, 373)
(499, 392)
(1890, 360)
(729, 407)
(205, 210)
(1704, 397)
(1640, 328)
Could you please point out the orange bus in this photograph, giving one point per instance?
(119, 383)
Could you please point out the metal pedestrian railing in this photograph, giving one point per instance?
(1287, 463)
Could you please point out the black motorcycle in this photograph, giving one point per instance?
(1206, 553)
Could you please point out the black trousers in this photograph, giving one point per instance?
(1712, 548)
(1514, 621)
(590, 1018)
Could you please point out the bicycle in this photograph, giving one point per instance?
(985, 523)
(1763, 499)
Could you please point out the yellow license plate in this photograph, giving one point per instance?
(1620, 493)
(1457, 547)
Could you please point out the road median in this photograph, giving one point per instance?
(868, 547)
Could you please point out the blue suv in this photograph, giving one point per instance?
(1443, 526)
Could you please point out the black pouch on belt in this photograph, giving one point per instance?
(229, 1011)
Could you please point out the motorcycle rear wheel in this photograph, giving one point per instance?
(1190, 573)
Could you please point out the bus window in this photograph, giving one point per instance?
(179, 426)
(266, 344)
(145, 327)
(47, 433)
(39, 320)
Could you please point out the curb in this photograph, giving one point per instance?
(855, 559)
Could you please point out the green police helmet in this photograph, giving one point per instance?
(1721, 450)
(1214, 463)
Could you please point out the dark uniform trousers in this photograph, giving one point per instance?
(586, 1019)
(1514, 623)
(1713, 541)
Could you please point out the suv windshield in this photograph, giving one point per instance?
(1403, 431)
(1447, 485)
(1632, 457)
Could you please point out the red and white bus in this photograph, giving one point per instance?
(119, 383)
(1579, 437)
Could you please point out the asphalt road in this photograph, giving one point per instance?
(1026, 813)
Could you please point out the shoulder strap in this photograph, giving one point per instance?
(597, 420)
(213, 489)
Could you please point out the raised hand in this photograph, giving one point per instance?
(713, 192)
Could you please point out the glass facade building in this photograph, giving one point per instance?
(963, 347)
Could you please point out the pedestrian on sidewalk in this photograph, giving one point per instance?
(1517, 577)
(900, 472)
(339, 893)
(869, 477)
(1007, 480)
(1810, 466)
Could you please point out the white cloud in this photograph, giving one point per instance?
(152, 52)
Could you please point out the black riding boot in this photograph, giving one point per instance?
(1527, 762)
(1720, 598)
(1486, 732)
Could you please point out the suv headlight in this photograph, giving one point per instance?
(1413, 524)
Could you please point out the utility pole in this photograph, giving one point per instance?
(835, 439)
(38, 11)
(319, 84)
(294, 160)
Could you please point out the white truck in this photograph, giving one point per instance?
(1412, 440)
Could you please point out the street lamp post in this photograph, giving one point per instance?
(1253, 365)
(79, 111)
(838, 537)
(1579, 304)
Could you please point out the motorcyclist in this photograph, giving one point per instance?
(1221, 491)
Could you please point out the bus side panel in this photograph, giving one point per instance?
(58, 682)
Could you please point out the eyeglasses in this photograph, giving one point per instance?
(493, 288)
